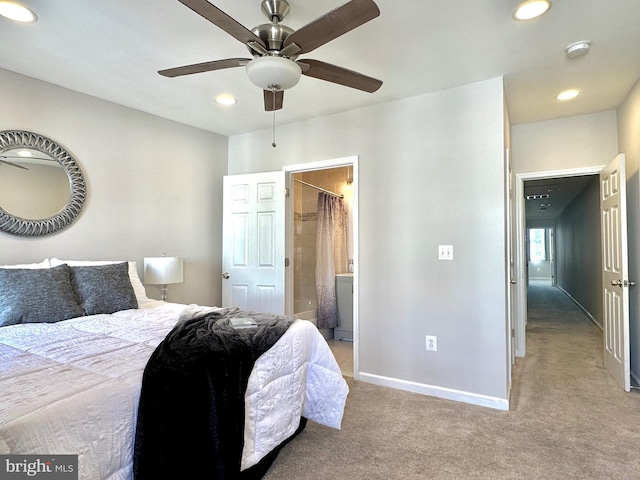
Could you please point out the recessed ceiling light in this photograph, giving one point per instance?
(226, 100)
(568, 95)
(531, 9)
(16, 12)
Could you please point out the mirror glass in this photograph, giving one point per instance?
(42, 188)
(32, 184)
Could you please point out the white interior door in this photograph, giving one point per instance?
(615, 276)
(253, 243)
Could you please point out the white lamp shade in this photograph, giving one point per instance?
(163, 270)
(273, 73)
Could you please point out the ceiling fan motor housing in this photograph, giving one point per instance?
(273, 35)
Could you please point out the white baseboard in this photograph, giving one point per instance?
(584, 310)
(434, 391)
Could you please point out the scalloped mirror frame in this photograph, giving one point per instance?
(14, 225)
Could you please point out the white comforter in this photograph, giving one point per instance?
(72, 387)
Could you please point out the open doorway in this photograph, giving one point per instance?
(337, 179)
(540, 200)
(564, 239)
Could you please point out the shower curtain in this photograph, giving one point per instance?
(331, 256)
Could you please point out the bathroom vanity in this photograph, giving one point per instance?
(344, 294)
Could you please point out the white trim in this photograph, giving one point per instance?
(323, 165)
(570, 172)
(520, 299)
(439, 392)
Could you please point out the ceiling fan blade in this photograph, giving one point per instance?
(20, 157)
(204, 67)
(273, 100)
(339, 75)
(13, 164)
(222, 20)
(333, 24)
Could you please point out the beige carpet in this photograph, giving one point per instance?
(568, 419)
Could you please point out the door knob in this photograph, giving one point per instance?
(225, 275)
(616, 283)
(632, 283)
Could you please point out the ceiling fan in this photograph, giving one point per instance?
(5, 159)
(12, 164)
(275, 47)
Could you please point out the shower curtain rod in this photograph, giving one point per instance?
(321, 189)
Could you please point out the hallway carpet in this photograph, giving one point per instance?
(568, 419)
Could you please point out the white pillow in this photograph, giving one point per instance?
(44, 264)
(138, 288)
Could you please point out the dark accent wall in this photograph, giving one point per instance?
(579, 252)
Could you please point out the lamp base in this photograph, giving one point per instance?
(165, 289)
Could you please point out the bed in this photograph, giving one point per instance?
(72, 370)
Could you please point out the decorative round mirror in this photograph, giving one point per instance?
(42, 189)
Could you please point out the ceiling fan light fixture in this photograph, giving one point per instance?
(273, 73)
(16, 12)
(531, 9)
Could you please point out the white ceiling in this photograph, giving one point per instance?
(113, 49)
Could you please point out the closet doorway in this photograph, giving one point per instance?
(336, 179)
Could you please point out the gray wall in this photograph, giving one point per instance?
(153, 185)
(579, 251)
(565, 143)
(540, 270)
(431, 171)
(629, 144)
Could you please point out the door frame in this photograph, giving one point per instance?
(520, 227)
(290, 170)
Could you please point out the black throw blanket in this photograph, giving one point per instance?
(191, 411)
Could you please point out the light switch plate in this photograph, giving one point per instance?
(445, 252)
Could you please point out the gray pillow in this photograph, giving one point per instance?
(37, 295)
(104, 288)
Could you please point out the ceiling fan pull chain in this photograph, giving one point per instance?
(273, 143)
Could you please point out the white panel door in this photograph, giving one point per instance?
(615, 276)
(253, 243)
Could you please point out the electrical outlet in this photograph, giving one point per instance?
(432, 343)
(445, 252)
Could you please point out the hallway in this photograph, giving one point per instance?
(564, 347)
(562, 383)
